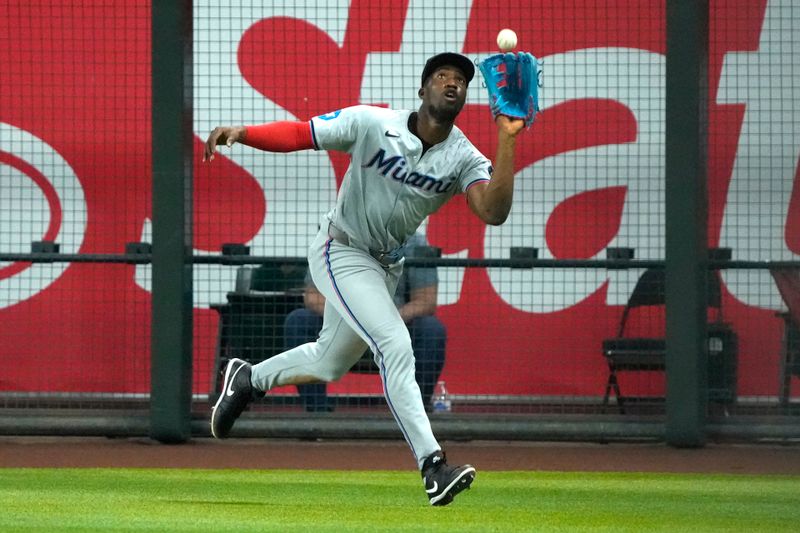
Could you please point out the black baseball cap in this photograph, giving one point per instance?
(451, 59)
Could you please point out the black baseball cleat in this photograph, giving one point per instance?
(442, 481)
(236, 394)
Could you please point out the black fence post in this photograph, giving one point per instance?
(686, 221)
(171, 356)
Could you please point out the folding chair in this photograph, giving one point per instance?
(648, 354)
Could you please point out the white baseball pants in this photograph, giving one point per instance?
(359, 313)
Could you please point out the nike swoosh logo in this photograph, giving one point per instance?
(230, 391)
(390, 133)
(433, 489)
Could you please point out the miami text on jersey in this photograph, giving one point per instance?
(400, 173)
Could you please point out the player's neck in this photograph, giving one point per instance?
(427, 128)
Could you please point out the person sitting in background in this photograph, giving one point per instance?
(415, 300)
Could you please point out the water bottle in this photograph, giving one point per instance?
(441, 399)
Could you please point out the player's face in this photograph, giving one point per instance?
(446, 92)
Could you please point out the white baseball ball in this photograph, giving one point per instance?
(506, 39)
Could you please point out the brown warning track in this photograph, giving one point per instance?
(395, 455)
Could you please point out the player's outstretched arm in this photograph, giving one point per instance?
(491, 201)
(282, 136)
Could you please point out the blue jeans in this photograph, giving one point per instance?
(428, 340)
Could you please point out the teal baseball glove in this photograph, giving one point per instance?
(513, 84)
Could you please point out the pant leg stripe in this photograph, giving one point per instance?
(384, 377)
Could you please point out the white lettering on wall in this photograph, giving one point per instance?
(758, 197)
(757, 206)
(607, 73)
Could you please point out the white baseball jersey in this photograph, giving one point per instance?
(390, 186)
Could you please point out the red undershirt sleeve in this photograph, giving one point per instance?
(282, 136)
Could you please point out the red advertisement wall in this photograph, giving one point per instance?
(76, 120)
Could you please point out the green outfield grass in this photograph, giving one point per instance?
(288, 500)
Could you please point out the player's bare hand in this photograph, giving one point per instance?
(226, 135)
(508, 125)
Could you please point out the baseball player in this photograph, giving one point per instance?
(404, 166)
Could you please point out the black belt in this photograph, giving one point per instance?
(384, 258)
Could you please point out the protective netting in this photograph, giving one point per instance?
(75, 170)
